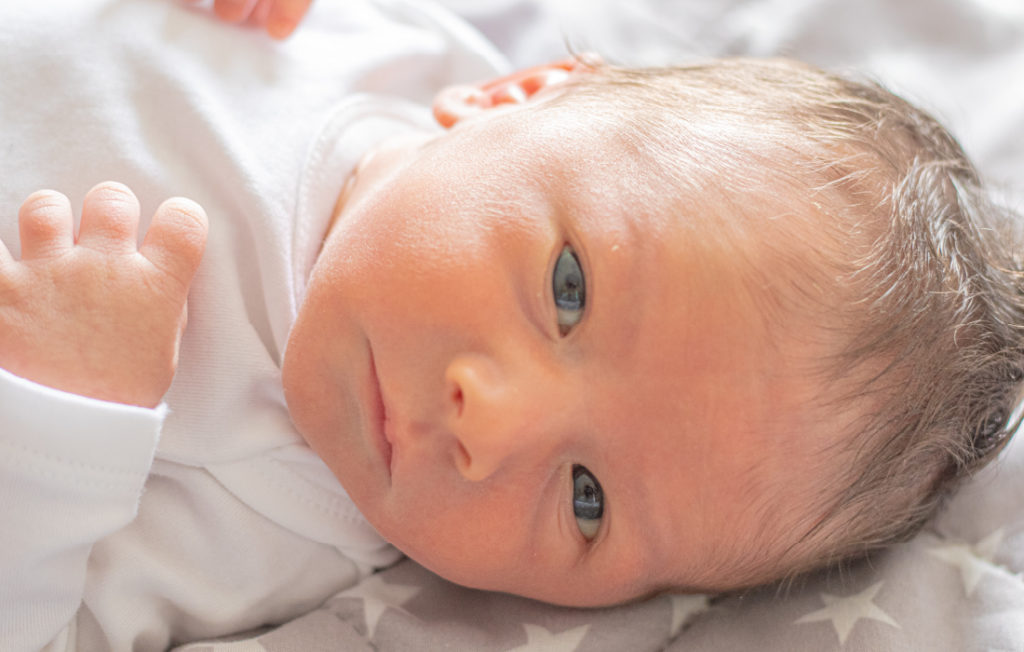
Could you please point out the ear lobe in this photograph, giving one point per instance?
(457, 103)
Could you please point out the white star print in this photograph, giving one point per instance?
(972, 560)
(844, 612)
(539, 639)
(684, 608)
(377, 596)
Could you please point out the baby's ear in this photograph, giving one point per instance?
(456, 103)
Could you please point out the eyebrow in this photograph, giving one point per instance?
(619, 292)
(639, 522)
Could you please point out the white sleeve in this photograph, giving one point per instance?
(72, 470)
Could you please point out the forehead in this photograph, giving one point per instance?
(698, 415)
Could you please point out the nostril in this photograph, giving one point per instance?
(457, 400)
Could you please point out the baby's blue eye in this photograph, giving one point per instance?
(569, 289)
(587, 501)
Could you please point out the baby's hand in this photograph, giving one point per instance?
(278, 17)
(99, 316)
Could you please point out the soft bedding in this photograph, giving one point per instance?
(959, 585)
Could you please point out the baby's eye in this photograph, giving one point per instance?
(569, 289)
(587, 501)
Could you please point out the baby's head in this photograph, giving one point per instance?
(621, 331)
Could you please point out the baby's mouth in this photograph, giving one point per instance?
(378, 418)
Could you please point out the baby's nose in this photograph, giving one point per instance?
(495, 413)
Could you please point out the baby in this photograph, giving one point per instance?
(698, 327)
(611, 332)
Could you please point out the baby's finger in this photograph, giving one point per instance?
(5, 256)
(110, 218)
(233, 11)
(46, 224)
(176, 239)
(285, 16)
(260, 12)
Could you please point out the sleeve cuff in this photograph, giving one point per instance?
(94, 437)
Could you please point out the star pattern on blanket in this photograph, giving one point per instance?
(540, 639)
(973, 560)
(378, 596)
(845, 611)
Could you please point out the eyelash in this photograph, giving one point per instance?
(568, 272)
(591, 502)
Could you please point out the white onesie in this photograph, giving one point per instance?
(124, 528)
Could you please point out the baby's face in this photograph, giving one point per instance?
(464, 410)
